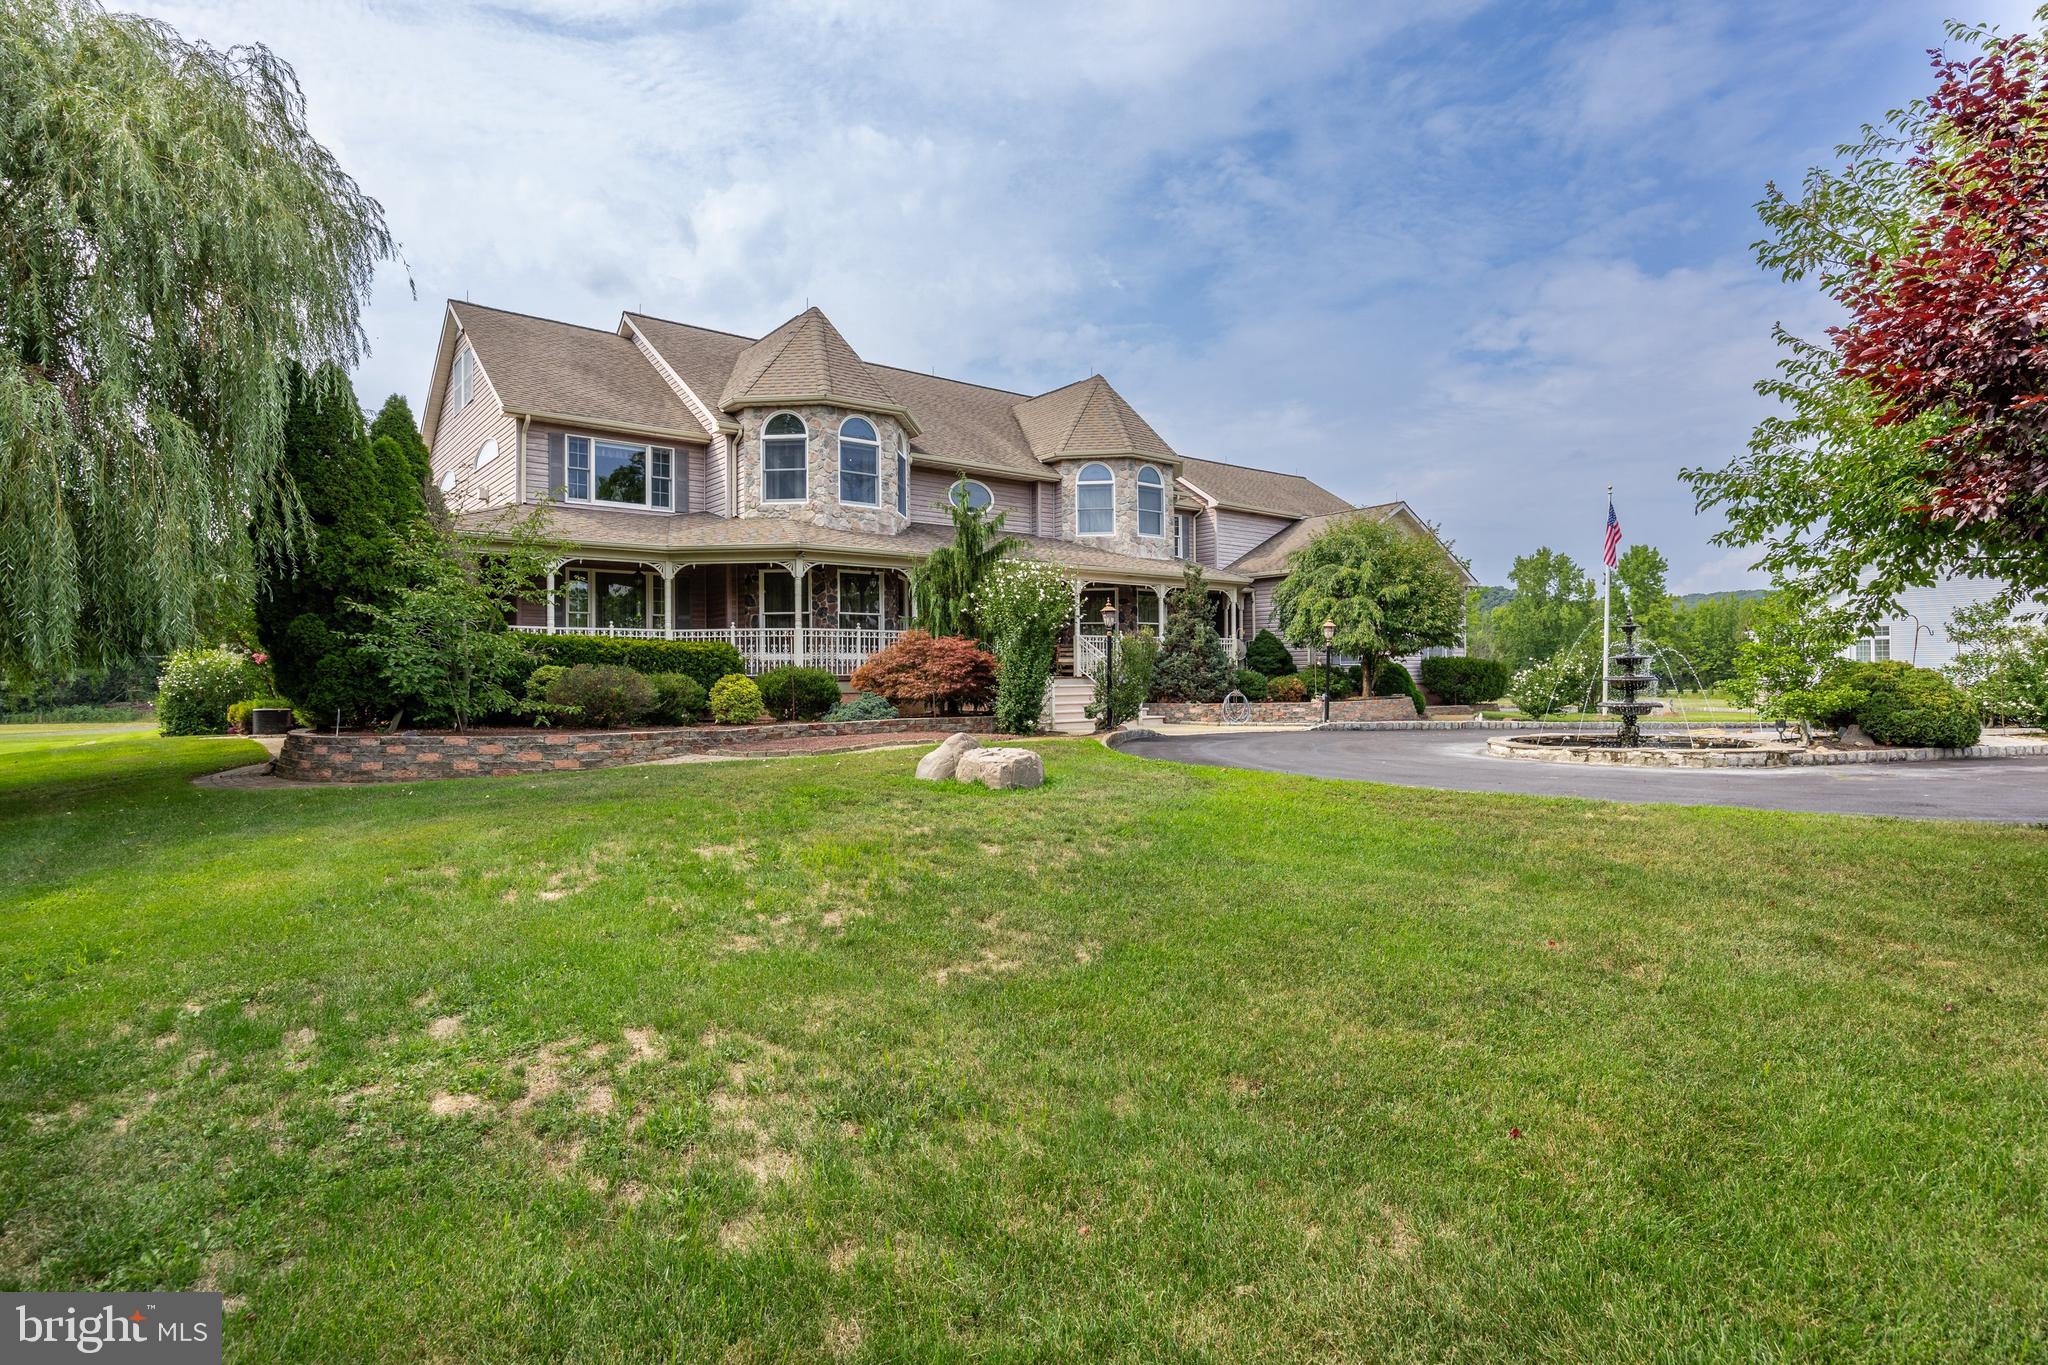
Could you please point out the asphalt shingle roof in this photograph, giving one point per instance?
(561, 370)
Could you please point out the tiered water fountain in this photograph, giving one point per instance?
(1629, 744)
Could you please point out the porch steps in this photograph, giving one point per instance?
(1066, 706)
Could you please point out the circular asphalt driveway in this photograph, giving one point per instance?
(2008, 789)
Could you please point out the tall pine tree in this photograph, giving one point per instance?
(395, 420)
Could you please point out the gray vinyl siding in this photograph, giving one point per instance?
(1239, 533)
(928, 488)
(461, 434)
(1919, 630)
(690, 460)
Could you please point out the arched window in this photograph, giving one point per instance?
(785, 459)
(860, 463)
(971, 494)
(902, 479)
(1095, 501)
(1151, 502)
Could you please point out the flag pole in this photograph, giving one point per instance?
(1606, 596)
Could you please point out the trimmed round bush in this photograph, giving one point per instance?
(199, 685)
(862, 706)
(603, 695)
(1341, 684)
(735, 700)
(1287, 687)
(679, 699)
(792, 693)
(1267, 655)
(1252, 683)
(1392, 679)
(1896, 703)
(1456, 680)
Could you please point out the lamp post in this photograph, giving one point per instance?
(1109, 663)
(1329, 637)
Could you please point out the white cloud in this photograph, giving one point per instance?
(1474, 265)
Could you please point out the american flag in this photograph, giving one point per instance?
(1607, 555)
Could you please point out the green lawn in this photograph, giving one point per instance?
(804, 1059)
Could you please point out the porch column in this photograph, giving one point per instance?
(1160, 593)
(668, 599)
(550, 600)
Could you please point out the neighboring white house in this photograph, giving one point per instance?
(1918, 633)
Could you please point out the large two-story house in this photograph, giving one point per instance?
(776, 491)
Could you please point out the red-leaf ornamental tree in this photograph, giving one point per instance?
(1955, 320)
(1912, 442)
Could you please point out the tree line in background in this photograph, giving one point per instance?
(1552, 606)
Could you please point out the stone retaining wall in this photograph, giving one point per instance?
(1284, 712)
(309, 756)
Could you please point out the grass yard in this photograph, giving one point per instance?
(806, 1060)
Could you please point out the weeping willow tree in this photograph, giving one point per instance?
(173, 242)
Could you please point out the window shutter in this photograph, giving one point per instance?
(558, 464)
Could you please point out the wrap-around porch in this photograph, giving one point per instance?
(817, 615)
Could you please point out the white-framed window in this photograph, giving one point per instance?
(448, 482)
(1148, 612)
(778, 600)
(1151, 503)
(1875, 647)
(576, 601)
(902, 480)
(620, 473)
(486, 452)
(661, 478)
(461, 385)
(1095, 501)
(1183, 535)
(971, 494)
(860, 463)
(785, 459)
(860, 600)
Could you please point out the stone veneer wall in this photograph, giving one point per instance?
(821, 505)
(309, 756)
(1124, 540)
(1286, 712)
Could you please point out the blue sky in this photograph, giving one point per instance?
(1484, 257)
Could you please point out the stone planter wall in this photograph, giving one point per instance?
(309, 756)
(1285, 712)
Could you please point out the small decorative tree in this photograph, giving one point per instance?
(1193, 665)
(1137, 659)
(945, 584)
(443, 646)
(1020, 605)
(1786, 668)
(1390, 592)
(940, 672)
(2002, 662)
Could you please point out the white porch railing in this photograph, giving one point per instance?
(836, 651)
(1090, 650)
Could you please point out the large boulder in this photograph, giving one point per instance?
(999, 768)
(939, 764)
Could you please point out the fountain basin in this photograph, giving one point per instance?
(1650, 751)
